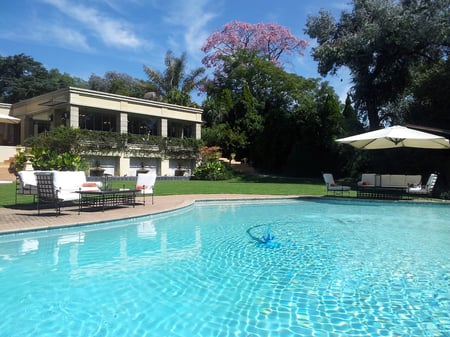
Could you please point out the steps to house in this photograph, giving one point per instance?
(5, 176)
(238, 166)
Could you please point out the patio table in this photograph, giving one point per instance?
(106, 198)
(378, 192)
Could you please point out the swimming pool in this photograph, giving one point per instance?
(338, 268)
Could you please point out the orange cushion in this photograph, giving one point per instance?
(89, 184)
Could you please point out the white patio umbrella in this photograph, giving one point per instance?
(9, 119)
(394, 137)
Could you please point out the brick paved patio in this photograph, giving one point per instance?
(20, 218)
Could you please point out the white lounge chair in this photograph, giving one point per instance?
(427, 189)
(26, 184)
(332, 186)
(146, 183)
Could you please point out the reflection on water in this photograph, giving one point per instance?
(146, 229)
(29, 245)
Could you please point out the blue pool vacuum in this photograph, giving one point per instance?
(267, 240)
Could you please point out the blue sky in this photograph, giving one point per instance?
(88, 37)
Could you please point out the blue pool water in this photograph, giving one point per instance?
(333, 268)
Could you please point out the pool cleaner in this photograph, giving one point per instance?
(265, 241)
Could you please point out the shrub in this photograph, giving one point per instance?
(210, 153)
(445, 195)
(43, 159)
(212, 170)
(211, 167)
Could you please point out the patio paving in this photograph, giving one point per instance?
(24, 218)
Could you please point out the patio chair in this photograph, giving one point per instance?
(46, 191)
(332, 186)
(426, 189)
(146, 183)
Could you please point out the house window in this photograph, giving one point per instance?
(98, 121)
(180, 130)
(143, 126)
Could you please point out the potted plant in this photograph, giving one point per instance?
(142, 169)
(97, 171)
(179, 172)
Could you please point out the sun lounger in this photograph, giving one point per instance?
(332, 186)
(426, 189)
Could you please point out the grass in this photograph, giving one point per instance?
(242, 185)
(238, 185)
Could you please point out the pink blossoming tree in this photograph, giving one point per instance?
(266, 39)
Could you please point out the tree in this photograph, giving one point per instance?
(174, 85)
(268, 40)
(381, 41)
(117, 83)
(429, 102)
(351, 124)
(278, 120)
(22, 77)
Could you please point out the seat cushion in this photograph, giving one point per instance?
(413, 180)
(338, 188)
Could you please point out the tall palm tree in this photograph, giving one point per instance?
(174, 85)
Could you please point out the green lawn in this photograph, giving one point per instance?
(237, 185)
(255, 185)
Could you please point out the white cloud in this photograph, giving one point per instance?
(111, 31)
(47, 34)
(65, 37)
(193, 18)
(196, 34)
